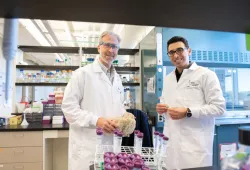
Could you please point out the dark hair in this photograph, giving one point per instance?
(177, 39)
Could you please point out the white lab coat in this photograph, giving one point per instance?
(88, 96)
(191, 139)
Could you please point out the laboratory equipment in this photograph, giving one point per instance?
(139, 142)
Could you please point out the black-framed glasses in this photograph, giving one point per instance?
(110, 45)
(177, 51)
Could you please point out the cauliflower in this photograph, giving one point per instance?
(126, 123)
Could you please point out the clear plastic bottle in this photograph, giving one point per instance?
(162, 101)
(26, 77)
(129, 102)
(21, 76)
(138, 142)
(63, 77)
(38, 77)
(57, 76)
(156, 136)
(29, 78)
(69, 75)
(99, 137)
(135, 137)
(43, 76)
(51, 77)
(164, 146)
(159, 142)
(33, 78)
(118, 143)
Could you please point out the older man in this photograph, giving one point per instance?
(92, 98)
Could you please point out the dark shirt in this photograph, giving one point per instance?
(178, 75)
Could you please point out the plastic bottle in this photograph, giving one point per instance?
(156, 136)
(57, 76)
(43, 76)
(114, 137)
(159, 142)
(164, 146)
(118, 142)
(99, 134)
(139, 143)
(38, 77)
(21, 77)
(135, 136)
(33, 78)
(69, 75)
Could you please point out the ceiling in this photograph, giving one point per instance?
(72, 34)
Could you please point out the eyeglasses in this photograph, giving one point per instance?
(177, 51)
(109, 45)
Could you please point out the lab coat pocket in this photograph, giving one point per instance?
(192, 141)
(118, 94)
(193, 95)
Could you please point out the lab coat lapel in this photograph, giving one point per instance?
(105, 78)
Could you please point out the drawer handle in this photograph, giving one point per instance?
(18, 167)
(19, 135)
(19, 151)
(1, 166)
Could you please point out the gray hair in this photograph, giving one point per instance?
(109, 33)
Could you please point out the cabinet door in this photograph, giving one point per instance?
(225, 134)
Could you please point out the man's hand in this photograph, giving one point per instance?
(177, 113)
(107, 125)
(161, 108)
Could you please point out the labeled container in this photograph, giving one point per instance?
(51, 99)
(58, 99)
(240, 160)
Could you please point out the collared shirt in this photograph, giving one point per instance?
(178, 75)
(109, 72)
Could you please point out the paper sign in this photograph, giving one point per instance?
(227, 149)
(151, 85)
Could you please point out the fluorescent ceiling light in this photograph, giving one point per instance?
(41, 25)
(34, 31)
(87, 33)
(51, 39)
(81, 25)
(118, 28)
(67, 31)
